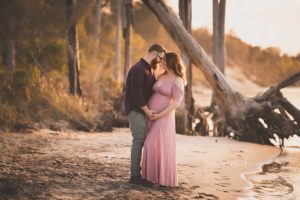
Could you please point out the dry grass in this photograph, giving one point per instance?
(30, 99)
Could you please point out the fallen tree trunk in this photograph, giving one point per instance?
(247, 119)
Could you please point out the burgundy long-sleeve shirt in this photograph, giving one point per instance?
(139, 83)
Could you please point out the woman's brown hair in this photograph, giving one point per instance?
(174, 63)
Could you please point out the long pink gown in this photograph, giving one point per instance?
(159, 154)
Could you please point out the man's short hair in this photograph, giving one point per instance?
(158, 48)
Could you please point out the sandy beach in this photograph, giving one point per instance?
(45, 164)
(76, 165)
(275, 178)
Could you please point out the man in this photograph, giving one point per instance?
(139, 83)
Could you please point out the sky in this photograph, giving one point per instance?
(265, 23)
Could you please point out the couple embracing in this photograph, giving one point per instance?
(150, 104)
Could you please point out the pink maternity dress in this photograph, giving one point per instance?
(159, 154)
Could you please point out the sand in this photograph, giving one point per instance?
(76, 165)
(46, 164)
(265, 183)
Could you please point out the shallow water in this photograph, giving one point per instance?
(279, 179)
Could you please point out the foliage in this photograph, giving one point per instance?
(38, 90)
(27, 96)
(254, 61)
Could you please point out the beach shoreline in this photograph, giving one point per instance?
(50, 164)
(278, 178)
(242, 84)
(225, 162)
(249, 184)
(77, 165)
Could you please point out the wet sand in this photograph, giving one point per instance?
(73, 165)
(277, 179)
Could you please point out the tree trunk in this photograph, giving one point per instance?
(221, 35)
(97, 19)
(127, 17)
(97, 28)
(118, 42)
(73, 49)
(185, 13)
(239, 115)
(215, 40)
(218, 46)
(9, 55)
(215, 31)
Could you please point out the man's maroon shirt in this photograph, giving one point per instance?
(139, 83)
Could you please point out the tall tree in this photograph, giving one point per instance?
(38, 33)
(117, 65)
(185, 13)
(219, 33)
(11, 14)
(221, 30)
(97, 27)
(127, 21)
(218, 47)
(73, 48)
(239, 115)
(9, 54)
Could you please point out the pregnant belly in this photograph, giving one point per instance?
(158, 102)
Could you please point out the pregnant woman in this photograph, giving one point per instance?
(159, 154)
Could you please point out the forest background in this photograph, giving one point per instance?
(34, 81)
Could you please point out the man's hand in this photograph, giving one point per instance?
(155, 116)
(147, 111)
(150, 113)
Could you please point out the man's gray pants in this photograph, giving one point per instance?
(137, 125)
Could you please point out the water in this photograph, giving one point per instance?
(279, 179)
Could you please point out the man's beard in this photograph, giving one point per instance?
(154, 64)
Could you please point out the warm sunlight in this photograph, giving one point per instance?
(125, 99)
(267, 23)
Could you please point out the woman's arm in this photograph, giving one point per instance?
(177, 93)
(171, 107)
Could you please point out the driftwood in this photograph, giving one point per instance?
(201, 127)
(248, 119)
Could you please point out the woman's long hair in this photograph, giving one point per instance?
(174, 63)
